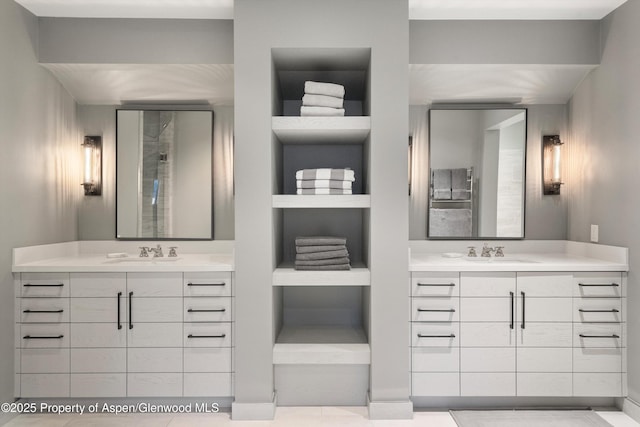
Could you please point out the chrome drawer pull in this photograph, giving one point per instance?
(599, 336)
(206, 336)
(584, 310)
(42, 311)
(43, 285)
(615, 285)
(43, 337)
(206, 284)
(213, 310)
(437, 284)
(436, 336)
(430, 310)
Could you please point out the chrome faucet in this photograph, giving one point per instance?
(172, 251)
(157, 251)
(486, 251)
(499, 252)
(143, 252)
(472, 251)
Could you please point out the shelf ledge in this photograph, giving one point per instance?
(321, 201)
(286, 275)
(316, 130)
(321, 354)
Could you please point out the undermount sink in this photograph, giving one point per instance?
(500, 260)
(137, 260)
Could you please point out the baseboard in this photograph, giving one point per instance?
(254, 411)
(631, 408)
(389, 410)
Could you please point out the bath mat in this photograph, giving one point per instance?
(522, 418)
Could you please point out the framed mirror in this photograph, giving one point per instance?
(164, 174)
(477, 173)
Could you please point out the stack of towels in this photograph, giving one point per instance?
(324, 181)
(322, 99)
(322, 253)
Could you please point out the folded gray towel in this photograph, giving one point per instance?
(441, 184)
(459, 184)
(320, 240)
(322, 255)
(328, 261)
(324, 267)
(319, 248)
(326, 173)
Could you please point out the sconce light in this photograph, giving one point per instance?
(92, 165)
(410, 167)
(551, 164)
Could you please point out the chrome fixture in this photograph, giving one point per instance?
(92, 166)
(499, 252)
(143, 252)
(157, 251)
(551, 164)
(472, 251)
(486, 251)
(172, 251)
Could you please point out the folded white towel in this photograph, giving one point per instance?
(324, 183)
(321, 111)
(319, 88)
(322, 191)
(311, 100)
(326, 173)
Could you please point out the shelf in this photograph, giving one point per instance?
(286, 275)
(314, 130)
(326, 345)
(322, 201)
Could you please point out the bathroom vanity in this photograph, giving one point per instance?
(92, 326)
(548, 319)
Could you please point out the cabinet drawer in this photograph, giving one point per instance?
(44, 284)
(207, 384)
(597, 384)
(98, 385)
(154, 385)
(597, 360)
(435, 284)
(44, 310)
(98, 335)
(487, 309)
(155, 335)
(546, 284)
(163, 284)
(205, 359)
(435, 334)
(154, 360)
(435, 359)
(486, 334)
(97, 285)
(544, 359)
(544, 309)
(98, 360)
(426, 309)
(487, 384)
(435, 384)
(143, 310)
(608, 335)
(487, 284)
(44, 385)
(553, 334)
(495, 359)
(207, 284)
(602, 310)
(207, 335)
(44, 335)
(44, 360)
(593, 285)
(207, 309)
(99, 309)
(545, 384)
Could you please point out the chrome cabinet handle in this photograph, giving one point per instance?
(436, 336)
(599, 336)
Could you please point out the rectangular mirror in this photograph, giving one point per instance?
(164, 170)
(477, 173)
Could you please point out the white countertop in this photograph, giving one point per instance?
(523, 256)
(92, 257)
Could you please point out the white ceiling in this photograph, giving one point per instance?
(418, 9)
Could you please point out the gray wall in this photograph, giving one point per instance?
(603, 174)
(545, 216)
(97, 215)
(39, 165)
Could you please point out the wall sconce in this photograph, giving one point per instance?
(92, 165)
(410, 167)
(551, 164)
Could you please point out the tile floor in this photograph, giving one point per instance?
(285, 417)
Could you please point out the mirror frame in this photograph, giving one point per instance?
(166, 108)
(524, 164)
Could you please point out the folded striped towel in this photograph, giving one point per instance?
(320, 88)
(321, 111)
(322, 191)
(320, 240)
(318, 248)
(323, 267)
(323, 183)
(328, 261)
(311, 100)
(326, 173)
(322, 255)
